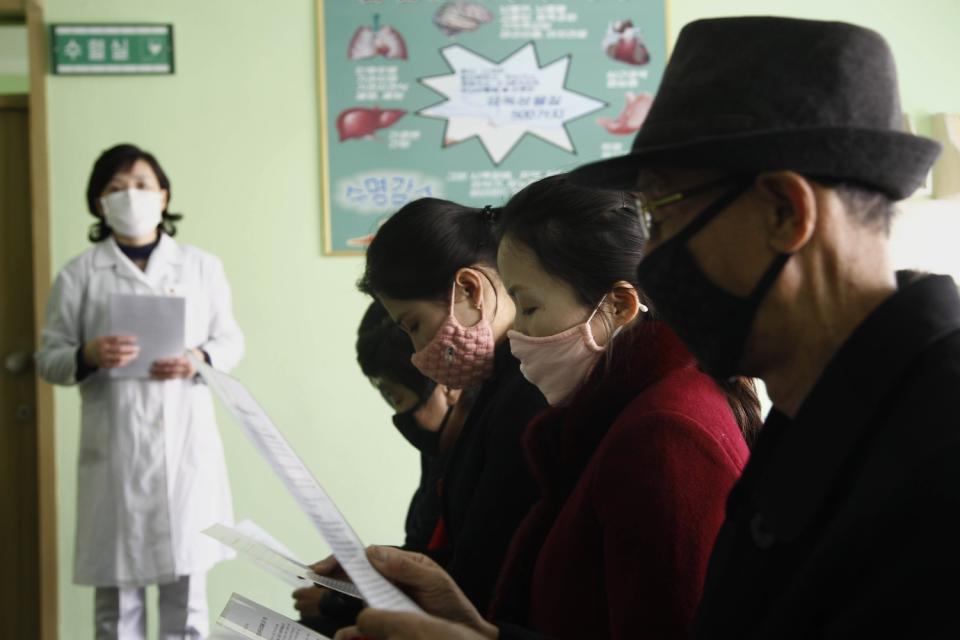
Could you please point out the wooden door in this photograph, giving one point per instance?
(15, 7)
(19, 513)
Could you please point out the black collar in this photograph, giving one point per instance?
(503, 360)
(139, 253)
(798, 465)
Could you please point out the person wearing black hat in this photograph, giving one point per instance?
(767, 171)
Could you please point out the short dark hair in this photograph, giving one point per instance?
(868, 206)
(418, 251)
(120, 158)
(384, 350)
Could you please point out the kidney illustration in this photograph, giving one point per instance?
(362, 122)
(456, 17)
(379, 40)
(631, 118)
(623, 42)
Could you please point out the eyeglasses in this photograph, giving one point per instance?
(646, 208)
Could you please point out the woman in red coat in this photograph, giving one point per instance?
(638, 453)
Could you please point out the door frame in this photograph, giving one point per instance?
(40, 231)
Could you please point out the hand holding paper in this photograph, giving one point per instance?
(107, 352)
(256, 622)
(430, 586)
(172, 368)
(158, 323)
(291, 571)
(305, 489)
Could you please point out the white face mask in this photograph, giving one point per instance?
(134, 212)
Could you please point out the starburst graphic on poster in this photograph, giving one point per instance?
(501, 102)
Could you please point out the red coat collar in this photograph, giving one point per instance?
(561, 441)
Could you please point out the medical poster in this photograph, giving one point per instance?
(470, 100)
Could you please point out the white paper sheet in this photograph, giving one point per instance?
(251, 529)
(281, 565)
(254, 621)
(159, 322)
(305, 489)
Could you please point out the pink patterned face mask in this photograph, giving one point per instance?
(459, 357)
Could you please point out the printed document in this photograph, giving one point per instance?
(158, 322)
(312, 498)
(251, 620)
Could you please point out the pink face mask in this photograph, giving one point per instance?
(459, 357)
(558, 364)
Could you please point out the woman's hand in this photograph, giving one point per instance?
(178, 367)
(307, 601)
(330, 567)
(109, 352)
(429, 586)
(389, 625)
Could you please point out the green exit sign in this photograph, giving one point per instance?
(143, 49)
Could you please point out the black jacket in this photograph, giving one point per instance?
(424, 509)
(846, 522)
(487, 487)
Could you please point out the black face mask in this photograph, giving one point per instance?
(713, 323)
(423, 440)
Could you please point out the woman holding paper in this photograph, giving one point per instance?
(433, 267)
(151, 473)
(634, 460)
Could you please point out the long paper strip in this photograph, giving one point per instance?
(293, 572)
(305, 489)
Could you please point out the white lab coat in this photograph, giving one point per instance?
(151, 473)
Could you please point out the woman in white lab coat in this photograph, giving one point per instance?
(151, 470)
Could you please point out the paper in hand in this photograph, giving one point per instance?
(275, 561)
(158, 322)
(312, 498)
(256, 622)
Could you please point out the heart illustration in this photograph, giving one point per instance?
(155, 48)
(623, 42)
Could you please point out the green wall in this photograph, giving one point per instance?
(923, 36)
(236, 129)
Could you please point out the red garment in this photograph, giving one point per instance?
(634, 474)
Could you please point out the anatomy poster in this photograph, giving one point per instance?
(470, 100)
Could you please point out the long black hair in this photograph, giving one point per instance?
(120, 158)
(418, 251)
(591, 239)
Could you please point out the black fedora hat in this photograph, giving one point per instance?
(764, 93)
